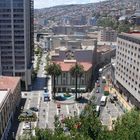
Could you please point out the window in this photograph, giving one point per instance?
(64, 75)
(64, 82)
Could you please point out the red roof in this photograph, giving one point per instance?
(66, 66)
(7, 82)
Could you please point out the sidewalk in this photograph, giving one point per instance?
(123, 102)
(65, 102)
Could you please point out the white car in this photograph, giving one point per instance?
(26, 126)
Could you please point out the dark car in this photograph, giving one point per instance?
(115, 98)
(111, 99)
(34, 109)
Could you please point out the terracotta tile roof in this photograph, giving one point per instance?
(66, 66)
(7, 82)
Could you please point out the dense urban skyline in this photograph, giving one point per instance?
(50, 3)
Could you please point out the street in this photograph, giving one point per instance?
(110, 111)
(48, 109)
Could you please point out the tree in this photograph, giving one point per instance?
(106, 22)
(127, 127)
(54, 70)
(76, 71)
(90, 123)
(123, 27)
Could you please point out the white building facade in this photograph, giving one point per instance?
(127, 69)
(66, 83)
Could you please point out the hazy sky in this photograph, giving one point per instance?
(49, 3)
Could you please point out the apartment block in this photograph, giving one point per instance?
(107, 35)
(127, 68)
(16, 38)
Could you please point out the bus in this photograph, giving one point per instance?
(103, 101)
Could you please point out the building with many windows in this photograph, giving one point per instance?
(10, 96)
(16, 38)
(65, 82)
(107, 35)
(127, 67)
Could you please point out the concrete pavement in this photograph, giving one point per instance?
(122, 101)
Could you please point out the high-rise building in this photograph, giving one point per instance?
(127, 69)
(16, 38)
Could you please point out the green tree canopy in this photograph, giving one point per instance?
(76, 71)
(127, 127)
(54, 70)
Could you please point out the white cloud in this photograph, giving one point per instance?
(49, 3)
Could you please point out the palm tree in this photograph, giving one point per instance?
(54, 70)
(76, 71)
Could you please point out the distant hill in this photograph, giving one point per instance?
(67, 10)
(89, 9)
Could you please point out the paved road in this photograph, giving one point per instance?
(112, 110)
(47, 110)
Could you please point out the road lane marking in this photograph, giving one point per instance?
(47, 113)
(67, 108)
(77, 109)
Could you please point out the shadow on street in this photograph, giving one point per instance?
(82, 100)
(15, 123)
(39, 83)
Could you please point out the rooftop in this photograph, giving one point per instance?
(3, 94)
(88, 47)
(104, 48)
(132, 34)
(66, 66)
(7, 82)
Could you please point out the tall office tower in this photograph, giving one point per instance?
(127, 72)
(16, 38)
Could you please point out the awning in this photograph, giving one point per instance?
(78, 88)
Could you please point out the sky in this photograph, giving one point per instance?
(50, 3)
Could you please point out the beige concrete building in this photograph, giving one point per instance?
(105, 53)
(127, 69)
(65, 82)
(10, 95)
(108, 35)
(68, 56)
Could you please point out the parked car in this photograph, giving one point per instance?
(115, 98)
(111, 99)
(26, 126)
(34, 109)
